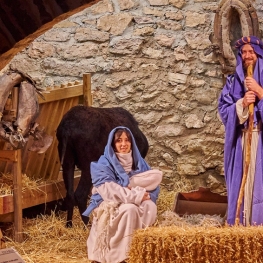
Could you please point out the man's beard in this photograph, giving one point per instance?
(246, 63)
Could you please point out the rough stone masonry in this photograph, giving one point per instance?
(146, 56)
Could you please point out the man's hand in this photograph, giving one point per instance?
(252, 85)
(249, 98)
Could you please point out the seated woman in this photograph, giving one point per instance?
(124, 194)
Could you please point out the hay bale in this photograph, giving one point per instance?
(197, 245)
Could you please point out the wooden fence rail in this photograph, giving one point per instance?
(56, 103)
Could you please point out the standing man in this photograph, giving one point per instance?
(238, 93)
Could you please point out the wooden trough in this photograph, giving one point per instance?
(44, 166)
(202, 201)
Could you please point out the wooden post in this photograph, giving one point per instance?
(87, 89)
(15, 95)
(14, 156)
(17, 182)
(247, 153)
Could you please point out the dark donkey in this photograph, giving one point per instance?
(82, 135)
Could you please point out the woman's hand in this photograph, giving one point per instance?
(146, 196)
(252, 85)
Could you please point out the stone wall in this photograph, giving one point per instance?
(148, 57)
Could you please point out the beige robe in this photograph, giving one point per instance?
(115, 220)
(243, 116)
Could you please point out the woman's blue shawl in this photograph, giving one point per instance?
(109, 169)
(233, 156)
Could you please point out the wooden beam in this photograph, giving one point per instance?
(42, 194)
(15, 95)
(17, 182)
(87, 89)
(8, 155)
(62, 93)
(7, 218)
(185, 207)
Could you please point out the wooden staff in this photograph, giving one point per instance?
(247, 152)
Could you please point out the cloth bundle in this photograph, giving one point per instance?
(149, 179)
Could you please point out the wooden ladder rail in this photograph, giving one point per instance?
(14, 156)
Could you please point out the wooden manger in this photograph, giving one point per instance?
(45, 166)
(201, 201)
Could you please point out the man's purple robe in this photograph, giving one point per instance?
(233, 155)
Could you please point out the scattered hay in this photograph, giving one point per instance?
(183, 185)
(166, 199)
(46, 239)
(6, 183)
(172, 219)
(193, 238)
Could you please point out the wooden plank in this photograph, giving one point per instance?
(7, 218)
(203, 194)
(34, 162)
(30, 197)
(17, 206)
(6, 201)
(185, 207)
(37, 162)
(52, 153)
(62, 93)
(53, 165)
(15, 95)
(9, 155)
(47, 165)
(3, 163)
(87, 89)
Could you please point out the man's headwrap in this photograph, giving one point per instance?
(255, 42)
(237, 90)
(248, 40)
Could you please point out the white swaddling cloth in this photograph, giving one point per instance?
(148, 180)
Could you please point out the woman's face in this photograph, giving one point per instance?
(122, 144)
